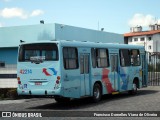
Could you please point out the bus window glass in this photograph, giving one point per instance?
(135, 57)
(93, 53)
(49, 51)
(102, 58)
(125, 57)
(49, 55)
(31, 53)
(70, 58)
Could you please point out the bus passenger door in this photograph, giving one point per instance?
(114, 71)
(85, 74)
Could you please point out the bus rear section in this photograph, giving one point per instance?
(38, 70)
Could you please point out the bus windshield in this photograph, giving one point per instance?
(38, 52)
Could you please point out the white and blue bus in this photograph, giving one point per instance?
(73, 69)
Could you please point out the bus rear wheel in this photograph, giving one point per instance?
(61, 99)
(134, 89)
(97, 93)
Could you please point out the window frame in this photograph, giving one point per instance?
(135, 39)
(139, 57)
(149, 38)
(2, 64)
(128, 64)
(107, 58)
(22, 51)
(130, 40)
(149, 47)
(76, 58)
(142, 39)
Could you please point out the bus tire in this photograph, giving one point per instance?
(97, 92)
(61, 99)
(134, 89)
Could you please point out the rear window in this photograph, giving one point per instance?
(45, 51)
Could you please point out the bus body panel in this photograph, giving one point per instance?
(39, 78)
(77, 82)
(71, 83)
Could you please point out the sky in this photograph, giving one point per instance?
(115, 16)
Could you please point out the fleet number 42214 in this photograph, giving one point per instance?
(26, 71)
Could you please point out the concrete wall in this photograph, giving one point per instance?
(8, 83)
(65, 32)
(9, 55)
(11, 36)
(6, 76)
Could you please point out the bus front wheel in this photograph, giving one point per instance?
(97, 93)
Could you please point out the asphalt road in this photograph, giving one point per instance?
(147, 99)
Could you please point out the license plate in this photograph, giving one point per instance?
(38, 83)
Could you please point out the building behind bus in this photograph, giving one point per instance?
(10, 38)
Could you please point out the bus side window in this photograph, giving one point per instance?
(135, 57)
(70, 58)
(102, 58)
(125, 57)
(93, 55)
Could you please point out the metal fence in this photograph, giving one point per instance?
(153, 69)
